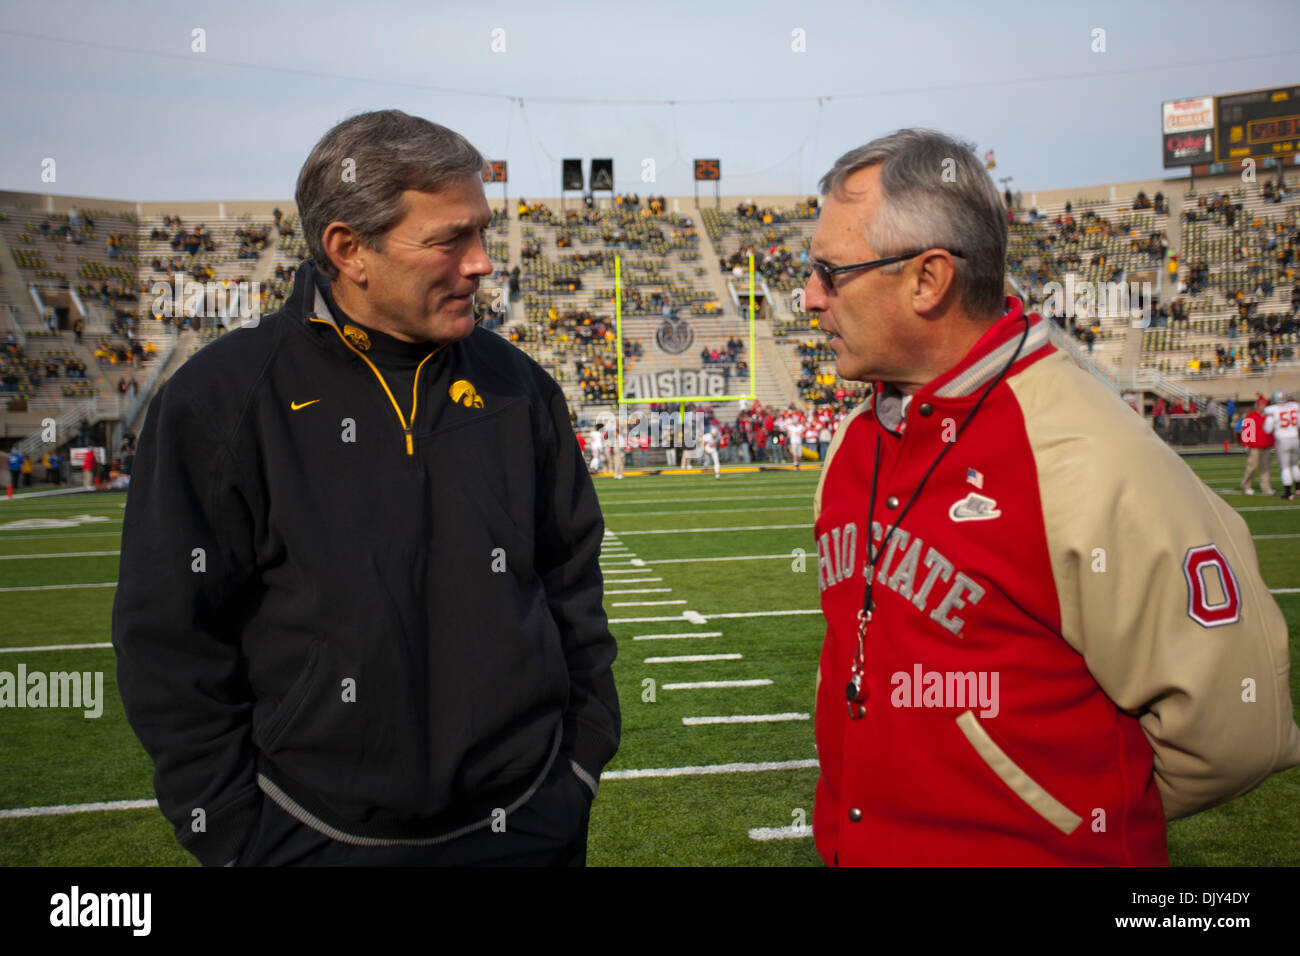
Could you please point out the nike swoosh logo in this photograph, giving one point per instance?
(296, 405)
(974, 508)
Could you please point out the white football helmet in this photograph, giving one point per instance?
(1279, 397)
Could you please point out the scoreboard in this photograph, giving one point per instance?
(1261, 124)
(708, 170)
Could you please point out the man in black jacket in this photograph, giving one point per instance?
(359, 613)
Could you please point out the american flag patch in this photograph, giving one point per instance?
(973, 477)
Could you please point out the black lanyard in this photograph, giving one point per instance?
(853, 690)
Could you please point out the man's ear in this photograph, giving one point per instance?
(346, 251)
(935, 280)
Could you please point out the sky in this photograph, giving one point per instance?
(131, 105)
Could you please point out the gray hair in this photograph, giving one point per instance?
(936, 194)
(357, 172)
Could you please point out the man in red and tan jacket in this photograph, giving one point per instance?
(1045, 636)
(1260, 443)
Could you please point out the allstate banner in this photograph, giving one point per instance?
(675, 383)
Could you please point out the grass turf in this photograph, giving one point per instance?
(53, 757)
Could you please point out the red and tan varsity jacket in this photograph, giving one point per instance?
(1071, 640)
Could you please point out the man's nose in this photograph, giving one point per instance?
(477, 262)
(814, 298)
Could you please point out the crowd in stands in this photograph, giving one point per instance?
(252, 241)
(284, 226)
(777, 264)
(108, 353)
(192, 242)
(579, 326)
(634, 303)
(1275, 192)
(117, 241)
(1217, 207)
(18, 371)
(1157, 204)
(731, 354)
(767, 215)
(598, 378)
(532, 212)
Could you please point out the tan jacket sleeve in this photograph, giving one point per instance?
(1203, 664)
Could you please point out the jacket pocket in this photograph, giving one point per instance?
(1022, 785)
(280, 719)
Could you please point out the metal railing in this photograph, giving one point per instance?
(13, 312)
(65, 424)
(1150, 380)
(146, 392)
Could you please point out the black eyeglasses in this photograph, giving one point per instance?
(827, 273)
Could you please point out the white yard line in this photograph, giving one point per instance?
(744, 719)
(66, 808)
(715, 684)
(676, 618)
(739, 557)
(688, 499)
(646, 603)
(31, 495)
(693, 658)
(58, 587)
(641, 591)
(44, 537)
(752, 527)
(637, 570)
(707, 769)
(635, 580)
(668, 637)
(815, 610)
(780, 833)
(704, 511)
(53, 647)
(61, 554)
(699, 617)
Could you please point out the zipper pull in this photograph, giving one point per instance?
(410, 445)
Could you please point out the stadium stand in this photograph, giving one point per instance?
(80, 283)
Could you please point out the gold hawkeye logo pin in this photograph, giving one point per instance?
(463, 392)
(357, 337)
(297, 405)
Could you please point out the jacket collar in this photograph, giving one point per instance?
(998, 348)
(989, 356)
(305, 299)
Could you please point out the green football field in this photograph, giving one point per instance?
(714, 619)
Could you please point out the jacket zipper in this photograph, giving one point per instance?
(415, 387)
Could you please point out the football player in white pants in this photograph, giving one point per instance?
(616, 452)
(709, 447)
(1282, 421)
(794, 435)
(596, 443)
